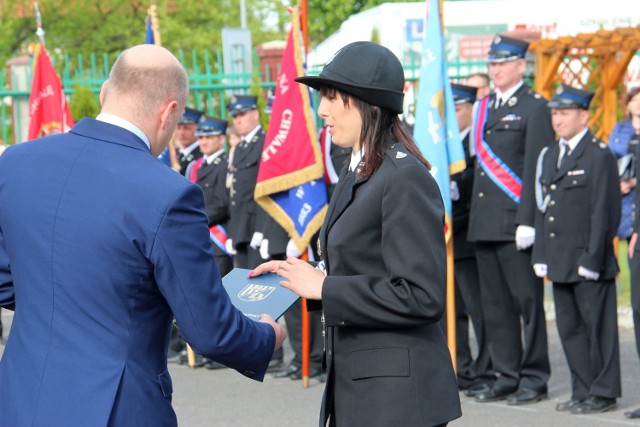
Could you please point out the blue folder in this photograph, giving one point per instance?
(255, 296)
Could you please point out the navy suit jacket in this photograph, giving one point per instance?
(100, 246)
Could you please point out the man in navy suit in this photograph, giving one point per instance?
(100, 246)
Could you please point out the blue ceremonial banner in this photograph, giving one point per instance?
(255, 296)
(436, 130)
(149, 39)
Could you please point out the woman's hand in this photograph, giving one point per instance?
(299, 276)
(627, 185)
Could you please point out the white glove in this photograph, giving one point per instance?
(256, 240)
(525, 236)
(229, 247)
(587, 274)
(264, 249)
(292, 249)
(540, 269)
(453, 189)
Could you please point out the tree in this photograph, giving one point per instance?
(110, 26)
(83, 103)
(326, 16)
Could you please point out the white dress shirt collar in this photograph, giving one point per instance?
(508, 93)
(212, 157)
(125, 124)
(186, 151)
(248, 137)
(573, 142)
(356, 157)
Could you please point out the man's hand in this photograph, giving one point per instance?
(229, 247)
(264, 249)
(281, 334)
(632, 244)
(540, 269)
(256, 240)
(525, 237)
(292, 249)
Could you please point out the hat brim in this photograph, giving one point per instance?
(564, 105)
(237, 111)
(208, 133)
(385, 98)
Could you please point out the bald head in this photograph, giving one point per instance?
(143, 79)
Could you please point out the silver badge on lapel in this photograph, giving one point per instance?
(400, 155)
(512, 101)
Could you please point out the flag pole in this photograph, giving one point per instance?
(451, 303)
(304, 313)
(155, 28)
(39, 31)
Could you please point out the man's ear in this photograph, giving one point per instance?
(166, 113)
(103, 91)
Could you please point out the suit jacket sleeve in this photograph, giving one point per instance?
(7, 294)
(539, 133)
(414, 254)
(187, 276)
(605, 211)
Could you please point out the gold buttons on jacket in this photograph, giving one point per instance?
(552, 186)
(480, 194)
(551, 219)
(552, 235)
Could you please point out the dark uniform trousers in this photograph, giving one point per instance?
(467, 285)
(511, 291)
(635, 295)
(581, 215)
(511, 294)
(586, 314)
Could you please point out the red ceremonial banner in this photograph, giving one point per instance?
(48, 109)
(290, 185)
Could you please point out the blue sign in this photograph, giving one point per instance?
(415, 30)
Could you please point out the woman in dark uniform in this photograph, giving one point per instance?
(383, 288)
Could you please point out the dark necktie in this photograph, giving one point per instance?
(564, 153)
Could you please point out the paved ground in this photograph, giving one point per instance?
(227, 399)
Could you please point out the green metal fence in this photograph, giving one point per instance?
(209, 85)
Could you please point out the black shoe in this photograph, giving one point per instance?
(595, 405)
(476, 389)
(633, 414)
(210, 364)
(179, 358)
(494, 394)
(525, 396)
(568, 405)
(274, 364)
(313, 372)
(287, 371)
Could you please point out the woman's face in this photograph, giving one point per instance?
(344, 121)
(634, 105)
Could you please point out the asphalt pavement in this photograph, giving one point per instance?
(204, 398)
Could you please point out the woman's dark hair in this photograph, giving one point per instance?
(630, 95)
(380, 127)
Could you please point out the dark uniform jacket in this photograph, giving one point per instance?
(515, 132)
(384, 251)
(243, 208)
(582, 213)
(211, 178)
(462, 248)
(185, 160)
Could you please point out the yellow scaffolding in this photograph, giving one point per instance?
(595, 61)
